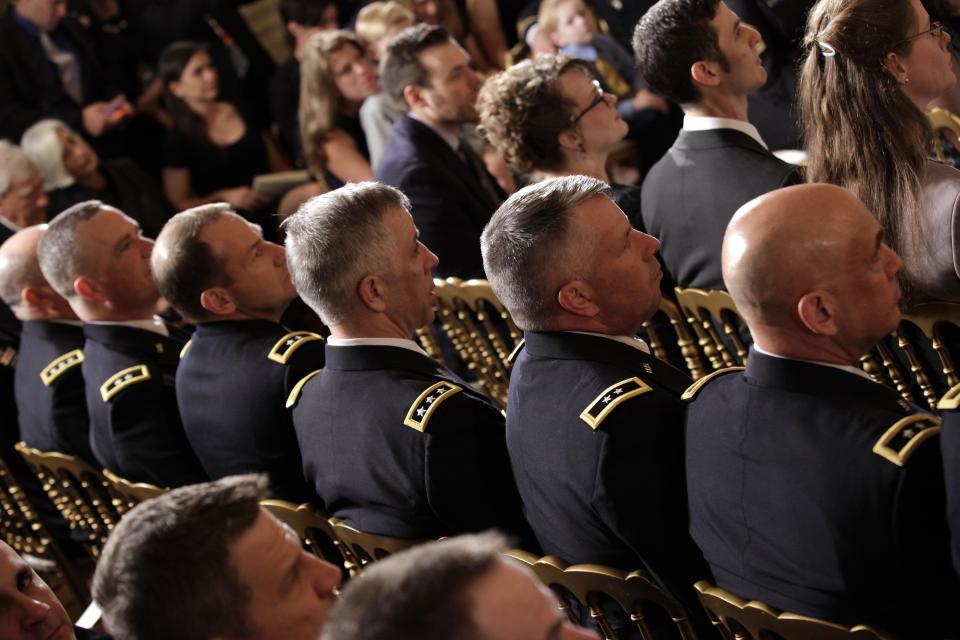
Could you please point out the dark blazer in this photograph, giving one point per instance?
(397, 445)
(232, 387)
(691, 194)
(449, 205)
(30, 87)
(821, 492)
(50, 390)
(135, 428)
(595, 435)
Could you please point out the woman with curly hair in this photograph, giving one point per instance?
(549, 117)
(871, 70)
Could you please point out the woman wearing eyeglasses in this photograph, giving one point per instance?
(871, 70)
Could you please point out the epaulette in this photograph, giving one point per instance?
(516, 351)
(950, 400)
(60, 366)
(427, 402)
(288, 344)
(609, 398)
(186, 348)
(900, 441)
(123, 379)
(297, 388)
(694, 389)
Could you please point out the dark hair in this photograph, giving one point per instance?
(670, 37)
(307, 13)
(173, 60)
(166, 571)
(400, 66)
(418, 593)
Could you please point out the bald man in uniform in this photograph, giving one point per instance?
(811, 487)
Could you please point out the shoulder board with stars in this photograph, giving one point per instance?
(186, 348)
(288, 344)
(427, 402)
(297, 388)
(695, 388)
(123, 379)
(950, 400)
(60, 366)
(610, 398)
(900, 441)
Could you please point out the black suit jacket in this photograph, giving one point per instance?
(388, 457)
(30, 87)
(795, 504)
(611, 492)
(50, 391)
(449, 205)
(691, 194)
(232, 387)
(135, 428)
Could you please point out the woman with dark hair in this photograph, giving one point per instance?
(871, 70)
(211, 154)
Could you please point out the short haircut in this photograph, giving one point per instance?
(18, 270)
(166, 570)
(42, 145)
(522, 112)
(547, 14)
(183, 265)
(419, 593)
(670, 37)
(334, 240)
(401, 67)
(62, 257)
(306, 13)
(527, 250)
(375, 20)
(14, 165)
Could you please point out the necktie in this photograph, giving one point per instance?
(480, 172)
(67, 66)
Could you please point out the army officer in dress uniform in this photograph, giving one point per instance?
(95, 257)
(236, 372)
(813, 488)
(394, 443)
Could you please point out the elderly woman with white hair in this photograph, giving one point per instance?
(73, 172)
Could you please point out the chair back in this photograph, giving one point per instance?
(313, 526)
(360, 548)
(682, 336)
(737, 619)
(126, 495)
(943, 122)
(78, 491)
(706, 311)
(593, 585)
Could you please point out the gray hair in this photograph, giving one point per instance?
(14, 165)
(334, 240)
(166, 570)
(62, 257)
(42, 145)
(419, 593)
(183, 266)
(526, 249)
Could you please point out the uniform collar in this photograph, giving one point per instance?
(842, 367)
(363, 357)
(154, 324)
(232, 327)
(630, 341)
(377, 342)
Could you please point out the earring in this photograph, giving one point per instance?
(906, 79)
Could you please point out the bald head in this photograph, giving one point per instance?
(812, 249)
(22, 285)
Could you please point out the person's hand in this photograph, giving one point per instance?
(96, 118)
(243, 198)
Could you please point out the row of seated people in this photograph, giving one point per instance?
(800, 482)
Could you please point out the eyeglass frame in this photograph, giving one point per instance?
(934, 27)
(601, 97)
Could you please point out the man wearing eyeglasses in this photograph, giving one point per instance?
(699, 54)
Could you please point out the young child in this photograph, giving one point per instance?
(378, 22)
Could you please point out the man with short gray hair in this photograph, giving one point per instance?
(394, 443)
(595, 423)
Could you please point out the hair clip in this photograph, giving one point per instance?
(826, 49)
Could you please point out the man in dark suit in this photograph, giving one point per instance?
(451, 193)
(699, 54)
(394, 443)
(48, 69)
(236, 372)
(595, 422)
(812, 488)
(95, 257)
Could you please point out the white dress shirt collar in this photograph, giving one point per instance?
(377, 342)
(707, 123)
(843, 367)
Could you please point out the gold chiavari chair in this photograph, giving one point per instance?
(684, 340)
(944, 123)
(737, 619)
(707, 310)
(79, 492)
(314, 527)
(126, 494)
(360, 548)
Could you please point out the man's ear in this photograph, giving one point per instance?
(705, 73)
(576, 297)
(372, 290)
(817, 312)
(217, 301)
(413, 94)
(894, 66)
(86, 288)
